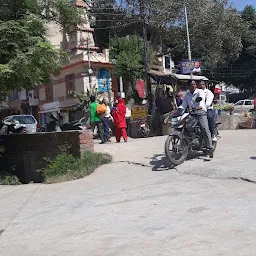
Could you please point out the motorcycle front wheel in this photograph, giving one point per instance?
(176, 150)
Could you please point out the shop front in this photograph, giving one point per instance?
(61, 108)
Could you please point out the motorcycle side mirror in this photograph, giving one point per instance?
(198, 99)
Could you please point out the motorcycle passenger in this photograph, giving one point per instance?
(209, 105)
(200, 109)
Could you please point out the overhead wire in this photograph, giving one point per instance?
(117, 26)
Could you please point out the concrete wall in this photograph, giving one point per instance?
(233, 122)
(25, 152)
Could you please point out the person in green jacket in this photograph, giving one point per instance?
(95, 118)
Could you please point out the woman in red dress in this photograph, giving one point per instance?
(119, 118)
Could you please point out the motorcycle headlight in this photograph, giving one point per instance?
(175, 120)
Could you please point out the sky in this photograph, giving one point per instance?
(240, 4)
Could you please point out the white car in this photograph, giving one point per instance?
(25, 120)
(244, 106)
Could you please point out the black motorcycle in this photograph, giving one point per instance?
(77, 125)
(187, 136)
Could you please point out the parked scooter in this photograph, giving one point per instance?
(143, 129)
(76, 125)
(11, 127)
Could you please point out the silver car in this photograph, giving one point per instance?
(244, 106)
(27, 121)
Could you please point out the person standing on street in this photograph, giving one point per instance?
(119, 117)
(105, 118)
(95, 118)
(200, 110)
(209, 105)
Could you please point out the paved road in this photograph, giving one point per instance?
(137, 206)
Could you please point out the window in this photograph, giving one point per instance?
(25, 119)
(36, 93)
(70, 85)
(240, 103)
(49, 93)
(248, 103)
(22, 119)
(167, 62)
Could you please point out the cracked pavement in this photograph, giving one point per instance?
(138, 206)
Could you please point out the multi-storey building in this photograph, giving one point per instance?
(76, 76)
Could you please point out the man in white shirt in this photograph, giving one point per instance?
(200, 111)
(209, 105)
(105, 119)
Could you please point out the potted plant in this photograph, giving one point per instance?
(218, 108)
(230, 108)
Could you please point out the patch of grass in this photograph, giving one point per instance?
(8, 179)
(66, 167)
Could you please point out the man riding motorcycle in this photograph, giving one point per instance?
(200, 110)
(208, 102)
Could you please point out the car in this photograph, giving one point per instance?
(28, 121)
(244, 106)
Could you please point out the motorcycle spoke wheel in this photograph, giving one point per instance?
(176, 150)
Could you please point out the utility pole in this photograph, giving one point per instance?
(188, 39)
(90, 71)
(146, 65)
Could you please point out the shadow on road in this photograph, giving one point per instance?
(161, 163)
(253, 157)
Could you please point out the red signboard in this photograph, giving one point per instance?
(140, 86)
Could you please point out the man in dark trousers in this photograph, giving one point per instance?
(95, 118)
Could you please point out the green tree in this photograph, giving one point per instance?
(128, 55)
(245, 66)
(215, 28)
(26, 56)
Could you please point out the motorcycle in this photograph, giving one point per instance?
(187, 136)
(143, 129)
(81, 124)
(11, 127)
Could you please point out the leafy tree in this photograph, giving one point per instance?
(128, 52)
(26, 56)
(215, 27)
(242, 71)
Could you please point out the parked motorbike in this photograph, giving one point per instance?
(143, 129)
(76, 125)
(11, 127)
(187, 136)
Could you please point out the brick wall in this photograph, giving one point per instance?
(26, 152)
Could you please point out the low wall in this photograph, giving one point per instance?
(233, 122)
(25, 153)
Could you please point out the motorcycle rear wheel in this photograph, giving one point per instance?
(178, 152)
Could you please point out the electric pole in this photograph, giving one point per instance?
(188, 39)
(146, 65)
(90, 71)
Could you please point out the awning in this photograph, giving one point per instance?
(177, 76)
(49, 111)
(188, 77)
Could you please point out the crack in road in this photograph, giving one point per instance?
(190, 174)
(134, 163)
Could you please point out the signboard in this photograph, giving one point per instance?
(190, 67)
(140, 86)
(49, 106)
(103, 80)
(139, 113)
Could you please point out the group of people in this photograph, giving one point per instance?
(204, 110)
(101, 115)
